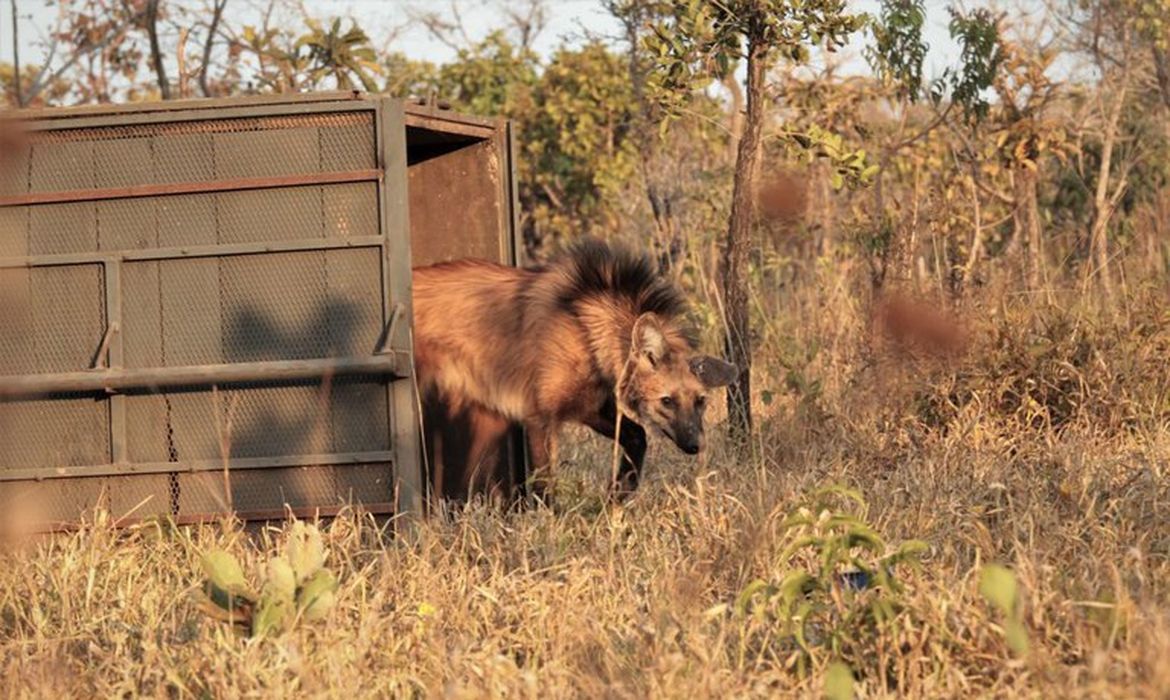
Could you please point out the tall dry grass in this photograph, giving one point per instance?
(1044, 449)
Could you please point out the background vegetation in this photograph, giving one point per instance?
(952, 287)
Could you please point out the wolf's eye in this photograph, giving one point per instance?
(700, 402)
(667, 401)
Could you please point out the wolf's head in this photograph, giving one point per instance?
(667, 382)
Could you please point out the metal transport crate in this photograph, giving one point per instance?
(205, 304)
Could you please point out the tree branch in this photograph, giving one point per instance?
(926, 130)
(45, 78)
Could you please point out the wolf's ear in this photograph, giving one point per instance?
(712, 371)
(649, 340)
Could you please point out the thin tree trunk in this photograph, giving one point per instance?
(181, 64)
(735, 114)
(216, 14)
(1028, 227)
(908, 241)
(878, 261)
(1162, 71)
(735, 257)
(828, 219)
(1103, 204)
(164, 87)
(16, 57)
(962, 276)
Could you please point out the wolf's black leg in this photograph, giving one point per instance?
(633, 442)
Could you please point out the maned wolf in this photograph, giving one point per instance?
(547, 345)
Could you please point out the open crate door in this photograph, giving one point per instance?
(206, 307)
(463, 205)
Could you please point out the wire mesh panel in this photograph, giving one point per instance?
(199, 312)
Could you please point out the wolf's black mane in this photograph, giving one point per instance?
(597, 268)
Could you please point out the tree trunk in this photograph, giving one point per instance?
(164, 87)
(961, 274)
(1162, 71)
(216, 15)
(1103, 203)
(735, 115)
(734, 267)
(1028, 227)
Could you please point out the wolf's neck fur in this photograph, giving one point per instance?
(607, 328)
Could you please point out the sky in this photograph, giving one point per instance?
(384, 21)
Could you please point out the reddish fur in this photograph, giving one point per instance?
(916, 326)
(542, 348)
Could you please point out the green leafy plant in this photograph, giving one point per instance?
(851, 168)
(837, 587)
(295, 587)
(838, 682)
(977, 33)
(998, 586)
(898, 51)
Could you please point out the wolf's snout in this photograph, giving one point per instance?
(689, 443)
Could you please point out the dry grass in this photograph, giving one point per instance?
(1045, 450)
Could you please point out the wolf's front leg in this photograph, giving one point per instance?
(542, 448)
(633, 443)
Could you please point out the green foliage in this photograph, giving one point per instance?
(304, 551)
(409, 78)
(578, 152)
(578, 144)
(898, 51)
(836, 590)
(998, 586)
(295, 586)
(226, 576)
(491, 78)
(345, 55)
(850, 167)
(838, 682)
(977, 33)
(697, 41)
(1070, 195)
(287, 61)
(1150, 18)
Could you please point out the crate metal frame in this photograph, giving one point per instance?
(392, 360)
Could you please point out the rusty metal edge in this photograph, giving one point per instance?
(518, 444)
(336, 459)
(395, 364)
(185, 252)
(197, 103)
(397, 263)
(192, 114)
(99, 194)
(460, 126)
(423, 115)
